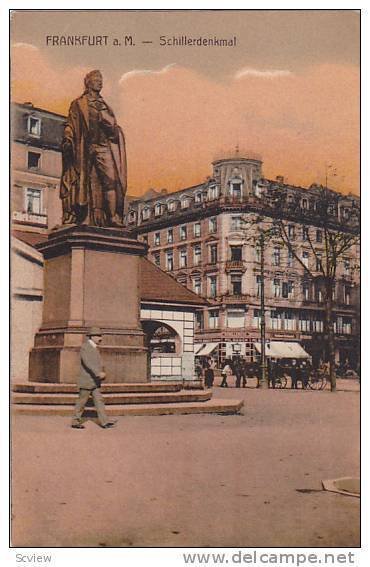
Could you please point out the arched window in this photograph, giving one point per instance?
(158, 209)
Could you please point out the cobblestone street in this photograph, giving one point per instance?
(198, 480)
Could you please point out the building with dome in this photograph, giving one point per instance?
(198, 234)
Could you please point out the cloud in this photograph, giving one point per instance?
(177, 120)
(267, 74)
(141, 72)
(35, 79)
(24, 46)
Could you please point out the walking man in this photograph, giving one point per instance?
(91, 375)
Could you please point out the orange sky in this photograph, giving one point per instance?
(177, 115)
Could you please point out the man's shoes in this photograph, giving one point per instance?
(109, 425)
(77, 426)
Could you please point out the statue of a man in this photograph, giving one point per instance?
(94, 174)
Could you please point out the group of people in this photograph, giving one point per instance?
(236, 367)
(298, 370)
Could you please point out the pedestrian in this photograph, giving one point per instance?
(209, 374)
(237, 372)
(294, 375)
(89, 381)
(271, 369)
(225, 372)
(305, 372)
(243, 373)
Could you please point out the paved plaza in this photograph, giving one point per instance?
(193, 480)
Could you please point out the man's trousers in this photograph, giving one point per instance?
(83, 397)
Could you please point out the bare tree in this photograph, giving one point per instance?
(337, 219)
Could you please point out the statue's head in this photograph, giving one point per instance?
(94, 80)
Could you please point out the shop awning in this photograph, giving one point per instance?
(206, 349)
(280, 349)
(198, 348)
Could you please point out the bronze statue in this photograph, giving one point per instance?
(94, 173)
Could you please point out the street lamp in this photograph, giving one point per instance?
(264, 384)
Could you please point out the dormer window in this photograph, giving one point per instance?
(213, 192)
(34, 126)
(146, 213)
(258, 191)
(171, 206)
(236, 190)
(158, 209)
(304, 204)
(198, 197)
(132, 216)
(185, 203)
(346, 213)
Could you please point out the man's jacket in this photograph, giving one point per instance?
(90, 368)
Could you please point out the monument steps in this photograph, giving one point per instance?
(224, 407)
(42, 398)
(63, 388)
(114, 398)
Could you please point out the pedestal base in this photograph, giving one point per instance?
(91, 279)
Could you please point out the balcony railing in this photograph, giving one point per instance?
(235, 265)
(236, 298)
(31, 218)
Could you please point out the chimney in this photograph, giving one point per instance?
(28, 104)
(280, 179)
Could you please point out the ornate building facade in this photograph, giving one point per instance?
(201, 235)
(36, 166)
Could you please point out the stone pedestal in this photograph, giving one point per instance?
(91, 278)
